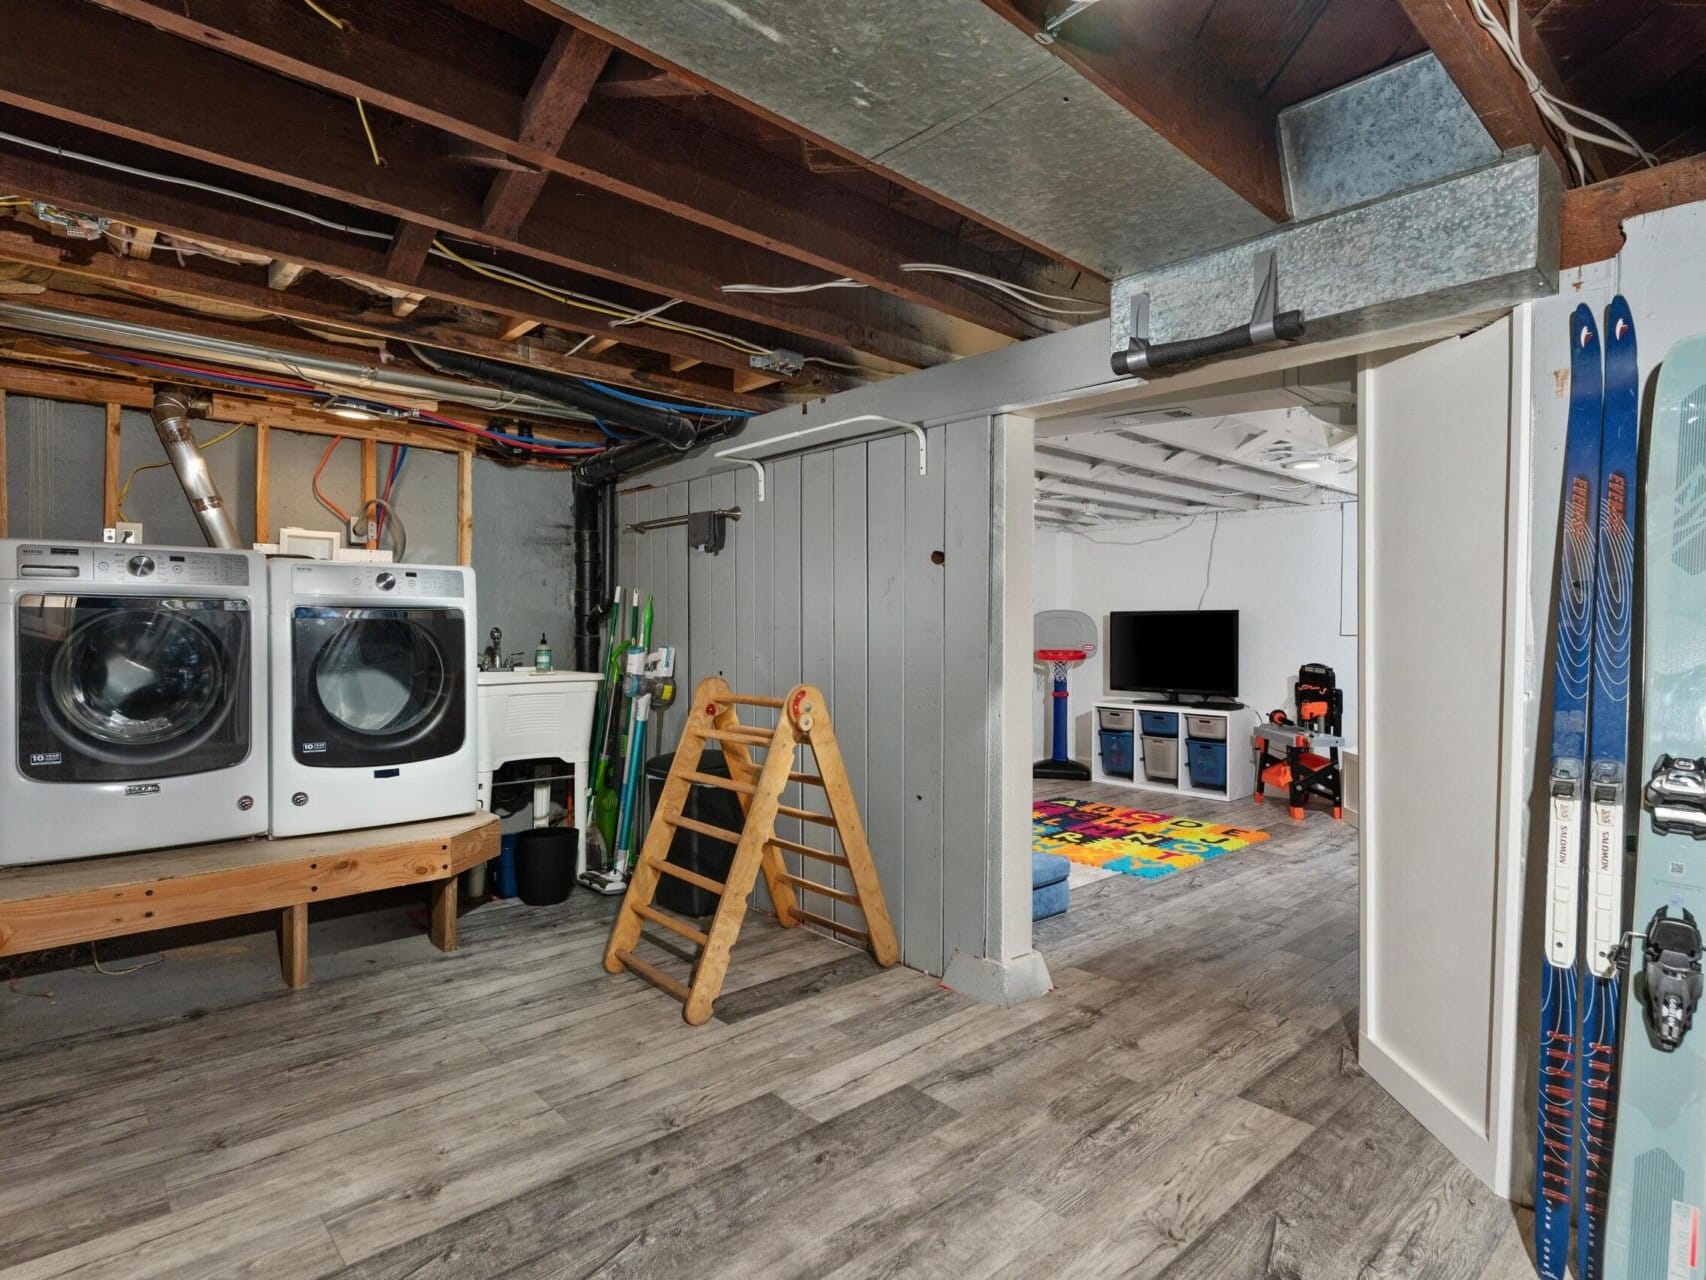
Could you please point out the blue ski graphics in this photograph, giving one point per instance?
(1608, 744)
(1560, 975)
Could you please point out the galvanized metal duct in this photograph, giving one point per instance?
(172, 410)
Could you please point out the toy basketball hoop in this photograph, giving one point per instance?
(1063, 638)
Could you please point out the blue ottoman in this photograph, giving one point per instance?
(1049, 889)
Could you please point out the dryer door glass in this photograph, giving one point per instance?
(377, 687)
(113, 689)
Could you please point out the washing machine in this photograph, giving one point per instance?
(373, 687)
(133, 686)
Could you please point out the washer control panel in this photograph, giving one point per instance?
(378, 582)
(156, 566)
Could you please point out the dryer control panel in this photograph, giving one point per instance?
(378, 581)
(163, 566)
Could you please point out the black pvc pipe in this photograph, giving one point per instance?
(674, 429)
(589, 586)
(1140, 356)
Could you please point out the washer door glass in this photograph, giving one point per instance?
(118, 688)
(378, 686)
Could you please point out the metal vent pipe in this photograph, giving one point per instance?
(172, 410)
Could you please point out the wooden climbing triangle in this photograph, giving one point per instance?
(802, 720)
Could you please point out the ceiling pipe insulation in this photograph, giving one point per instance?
(172, 410)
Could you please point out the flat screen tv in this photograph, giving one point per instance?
(1173, 653)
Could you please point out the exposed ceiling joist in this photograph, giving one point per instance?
(1593, 216)
(184, 212)
(1154, 69)
(409, 249)
(324, 304)
(1231, 440)
(565, 80)
(1053, 488)
(1189, 471)
(639, 151)
(1484, 75)
(209, 112)
(1117, 480)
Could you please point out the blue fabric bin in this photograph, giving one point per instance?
(1116, 752)
(1207, 763)
(1163, 723)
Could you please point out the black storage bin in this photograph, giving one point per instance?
(545, 864)
(707, 855)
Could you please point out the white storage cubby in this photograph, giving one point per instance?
(1237, 727)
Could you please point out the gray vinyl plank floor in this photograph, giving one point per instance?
(1186, 1103)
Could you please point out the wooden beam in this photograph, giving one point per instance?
(191, 214)
(281, 274)
(142, 242)
(1485, 76)
(699, 173)
(752, 379)
(681, 364)
(465, 509)
(110, 468)
(369, 484)
(1593, 216)
(636, 79)
(1156, 71)
(213, 108)
(410, 244)
(559, 91)
(159, 281)
(263, 482)
(515, 327)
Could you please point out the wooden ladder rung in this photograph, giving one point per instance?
(822, 855)
(755, 737)
(827, 923)
(646, 912)
(716, 780)
(705, 829)
(812, 886)
(806, 815)
(656, 976)
(803, 720)
(692, 877)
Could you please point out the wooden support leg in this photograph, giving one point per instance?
(293, 945)
(444, 914)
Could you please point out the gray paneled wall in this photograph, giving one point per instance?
(834, 580)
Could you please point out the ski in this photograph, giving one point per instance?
(1658, 1175)
(1560, 974)
(1608, 745)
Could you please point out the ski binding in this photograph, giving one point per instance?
(1677, 796)
(1672, 975)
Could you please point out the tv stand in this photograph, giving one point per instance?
(1186, 700)
(1239, 726)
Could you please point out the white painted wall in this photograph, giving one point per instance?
(1281, 568)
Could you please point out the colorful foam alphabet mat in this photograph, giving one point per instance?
(1134, 842)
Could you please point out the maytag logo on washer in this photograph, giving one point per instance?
(46, 757)
(143, 789)
(308, 748)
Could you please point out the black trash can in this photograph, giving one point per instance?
(545, 864)
(705, 854)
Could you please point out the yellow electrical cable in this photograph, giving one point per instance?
(360, 107)
(149, 466)
(734, 344)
